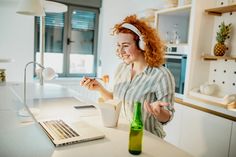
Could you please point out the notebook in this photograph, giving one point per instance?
(62, 133)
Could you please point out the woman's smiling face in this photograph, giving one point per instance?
(127, 48)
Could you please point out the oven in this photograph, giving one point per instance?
(176, 63)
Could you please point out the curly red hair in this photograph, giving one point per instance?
(154, 47)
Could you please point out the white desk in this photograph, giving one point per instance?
(28, 140)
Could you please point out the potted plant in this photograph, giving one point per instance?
(221, 36)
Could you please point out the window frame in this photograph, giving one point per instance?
(67, 34)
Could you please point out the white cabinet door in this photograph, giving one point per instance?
(204, 135)
(232, 152)
(173, 128)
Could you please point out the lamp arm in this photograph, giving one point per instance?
(52, 73)
(32, 62)
(40, 65)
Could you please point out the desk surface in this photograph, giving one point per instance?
(20, 136)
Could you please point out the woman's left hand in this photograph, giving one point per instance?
(155, 107)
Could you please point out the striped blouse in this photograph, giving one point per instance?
(153, 84)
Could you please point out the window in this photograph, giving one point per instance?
(70, 41)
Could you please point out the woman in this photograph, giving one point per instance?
(141, 76)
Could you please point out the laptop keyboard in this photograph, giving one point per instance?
(60, 129)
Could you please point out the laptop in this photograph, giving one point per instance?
(62, 133)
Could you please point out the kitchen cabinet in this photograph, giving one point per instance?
(203, 134)
(173, 128)
(200, 133)
(232, 151)
(173, 24)
(173, 27)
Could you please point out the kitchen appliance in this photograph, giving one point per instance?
(176, 49)
(176, 63)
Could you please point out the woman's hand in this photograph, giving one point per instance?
(156, 109)
(90, 83)
(93, 84)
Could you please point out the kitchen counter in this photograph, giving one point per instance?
(20, 136)
(206, 107)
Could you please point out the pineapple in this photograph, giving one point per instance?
(221, 36)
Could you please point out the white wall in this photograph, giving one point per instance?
(16, 40)
(17, 34)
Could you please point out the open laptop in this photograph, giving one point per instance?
(61, 133)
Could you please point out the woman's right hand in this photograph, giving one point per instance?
(90, 83)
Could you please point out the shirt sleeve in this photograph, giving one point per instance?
(165, 92)
(170, 107)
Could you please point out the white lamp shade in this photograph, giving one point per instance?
(31, 7)
(49, 74)
(54, 7)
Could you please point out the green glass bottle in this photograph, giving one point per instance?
(136, 131)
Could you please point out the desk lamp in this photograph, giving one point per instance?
(47, 74)
(39, 8)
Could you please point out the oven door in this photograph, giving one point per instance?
(177, 65)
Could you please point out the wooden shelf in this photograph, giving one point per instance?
(208, 57)
(220, 10)
(175, 10)
(204, 109)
